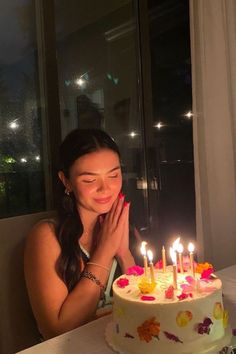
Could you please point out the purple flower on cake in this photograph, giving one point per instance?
(147, 298)
(135, 270)
(122, 282)
(169, 293)
(204, 327)
(184, 296)
(172, 337)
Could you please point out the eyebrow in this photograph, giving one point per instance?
(87, 173)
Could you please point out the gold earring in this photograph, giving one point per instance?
(67, 192)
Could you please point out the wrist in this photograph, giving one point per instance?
(125, 260)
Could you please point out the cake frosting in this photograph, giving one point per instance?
(158, 319)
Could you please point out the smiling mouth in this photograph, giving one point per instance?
(103, 200)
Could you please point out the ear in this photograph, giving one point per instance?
(64, 180)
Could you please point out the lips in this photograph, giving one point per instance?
(103, 200)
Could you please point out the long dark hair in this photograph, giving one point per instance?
(76, 144)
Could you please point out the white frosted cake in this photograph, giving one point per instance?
(190, 319)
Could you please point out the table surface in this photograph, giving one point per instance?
(90, 337)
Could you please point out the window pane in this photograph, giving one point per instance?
(21, 172)
(172, 119)
(98, 81)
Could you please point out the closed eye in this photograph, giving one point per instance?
(89, 180)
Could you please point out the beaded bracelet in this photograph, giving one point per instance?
(99, 265)
(91, 276)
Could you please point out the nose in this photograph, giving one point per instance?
(102, 186)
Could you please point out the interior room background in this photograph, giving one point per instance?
(159, 76)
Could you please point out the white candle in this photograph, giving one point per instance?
(173, 257)
(150, 258)
(191, 257)
(163, 251)
(144, 254)
(180, 249)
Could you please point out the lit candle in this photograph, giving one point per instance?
(176, 244)
(173, 257)
(150, 258)
(144, 254)
(191, 249)
(163, 259)
(180, 249)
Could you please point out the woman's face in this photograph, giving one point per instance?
(96, 180)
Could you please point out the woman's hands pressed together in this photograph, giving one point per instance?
(113, 239)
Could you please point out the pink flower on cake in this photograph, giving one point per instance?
(147, 298)
(135, 270)
(169, 293)
(122, 282)
(190, 286)
(184, 296)
(159, 264)
(206, 274)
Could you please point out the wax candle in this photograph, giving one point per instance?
(144, 254)
(180, 249)
(173, 257)
(150, 258)
(191, 258)
(163, 251)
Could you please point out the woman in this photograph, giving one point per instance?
(68, 262)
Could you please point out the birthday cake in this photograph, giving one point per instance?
(153, 317)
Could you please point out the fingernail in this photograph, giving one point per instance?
(126, 203)
(121, 195)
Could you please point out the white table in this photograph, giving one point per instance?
(90, 337)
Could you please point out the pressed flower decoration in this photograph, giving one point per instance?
(218, 311)
(149, 329)
(122, 282)
(159, 264)
(147, 298)
(145, 286)
(225, 318)
(206, 274)
(172, 337)
(183, 318)
(204, 327)
(184, 296)
(203, 266)
(169, 292)
(135, 270)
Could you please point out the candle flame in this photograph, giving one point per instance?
(191, 247)
(176, 243)
(150, 255)
(173, 255)
(180, 248)
(143, 248)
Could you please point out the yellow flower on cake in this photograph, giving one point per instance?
(218, 311)
(183, 318)
(225, 318)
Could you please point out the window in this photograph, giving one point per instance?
(21, 153)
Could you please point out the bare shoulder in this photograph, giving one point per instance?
(42, 239)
